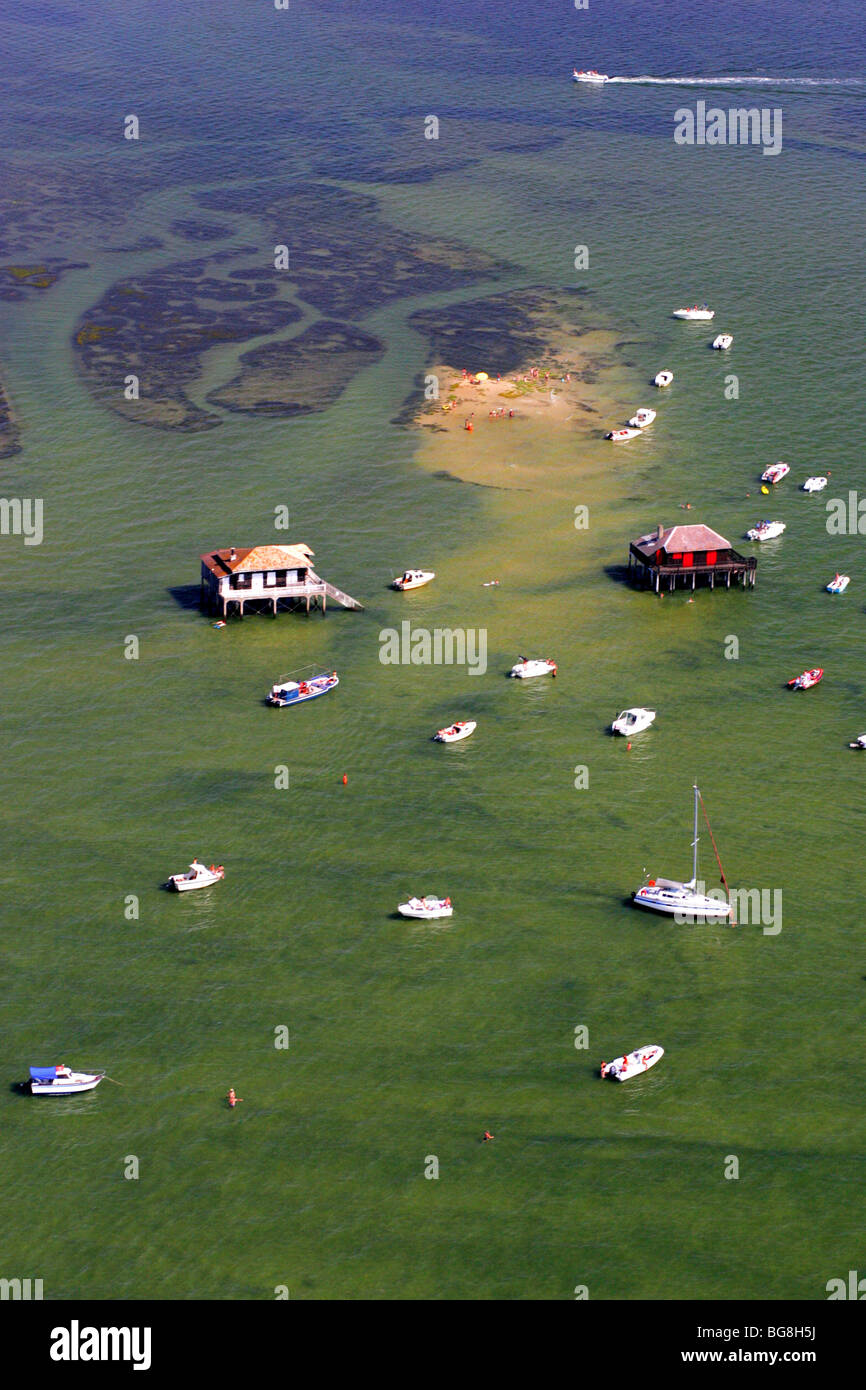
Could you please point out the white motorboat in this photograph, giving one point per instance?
(838, 584)
(296, 692)
(722, 342)
(632, 1063)
(765, 531)
(698, 312)
(619, 436)
(633, 721)
(413, 579)
(663, 378)
(590, 76)
(682, 900)
(815, 484)
(859, 742)
(642, 418)
(62, 1081)
(428, 908)
(775, 473)
(461, 728)
(198, 876)
(524, 669)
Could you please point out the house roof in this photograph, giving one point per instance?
(677, 540)
(258, 558)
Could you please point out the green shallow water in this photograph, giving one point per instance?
(407, 1040)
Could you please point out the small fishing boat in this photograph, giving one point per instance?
(683, 900)
(816, 484)
(413, 579)
(663, 378)
(722, 342)
(461, 728)
(296, 692)
(633, 721)
(775, 473)
(590, 76)
(698, 312)
(524, 669)
(642, 418)
(838, 584)
(632, 1063)
(859, 742)
(807, 679)
(62, 1081)
(198, 876)
(765, 531)
(619, 436)
(428, 908)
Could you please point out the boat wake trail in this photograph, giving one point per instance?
(741, 81)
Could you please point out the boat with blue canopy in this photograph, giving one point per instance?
(62, 1081)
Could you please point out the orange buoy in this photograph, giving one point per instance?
(628, 748)
(345, 780)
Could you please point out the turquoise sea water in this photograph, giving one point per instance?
(408, 1040)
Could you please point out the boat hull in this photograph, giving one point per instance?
(528, 670)
(425, 914)
(632, 1063)
(67, 1086)
(418, 581)
(663, 379)
(447, 736)
(680, 902)
(695, 315)
(282, 696)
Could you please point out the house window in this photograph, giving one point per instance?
(241, 581)
(688, 560)
(271, 578)
(712, 557)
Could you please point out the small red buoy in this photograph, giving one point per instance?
(628, 748)
(345, 780)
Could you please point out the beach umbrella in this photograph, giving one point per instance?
(481, 376)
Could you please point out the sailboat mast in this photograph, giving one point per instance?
(695, 842)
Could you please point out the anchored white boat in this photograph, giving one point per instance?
(838, 584)
(663, 378)
(697, 312)
(642, 418)
(816, 484)
(633, 721)
(524, 669)
(670, 896)
(590, 76)
(619, 436)
(198, 876)
(461, 728)
(775, 473)
(413, 579)
(722, 342)
(296, 692)
(62, 1081)
(632, 1063)
(427, 908)
(766, 531)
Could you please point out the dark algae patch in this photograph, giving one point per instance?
(300, 376)
(157, 326)
(9, 431)
(20, 280)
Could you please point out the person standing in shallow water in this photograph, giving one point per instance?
(232, 1099)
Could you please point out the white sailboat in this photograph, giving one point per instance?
(678, 899)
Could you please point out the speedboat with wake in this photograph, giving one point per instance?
(722, 342)
(816, 484)
(62, 1081)
(296, 692)
(461, 728)
(413, 579)
(642, 418)
(590, 76)
(698, 313)
(765, 531)
(775, 473)
(428, 909)
(197, 876)
(633, 1063)
(807, 679)
(663, 378)
(838, 584)
(620, 436)
(524, 669)
(633, 721)
(682, 900)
